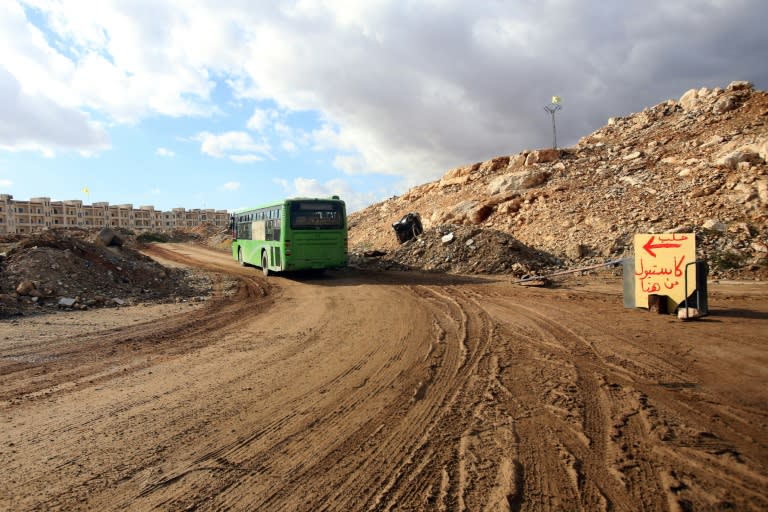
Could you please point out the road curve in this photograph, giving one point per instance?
(390, 391)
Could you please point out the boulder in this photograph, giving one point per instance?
(494, 165)
(518, 180)
(733, 159)
(541, 156)
(517, 161)
(689, 99)
(740, 85)
(725, 104)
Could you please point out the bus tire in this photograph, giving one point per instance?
(265, 263)
(240, 256)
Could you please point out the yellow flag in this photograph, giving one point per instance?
(556, 99)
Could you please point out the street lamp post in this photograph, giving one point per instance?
(552, 109)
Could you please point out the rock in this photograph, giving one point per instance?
(688, 314)
(458, 175)
(740, 85)
(576, 251)
(762, 190)
(689, 99)
(631, 180)
(25, 287)
(67, 302)
(542, 156)
(461, 180)
(714, 225)
(518, 180)
(516, 161)
(733, 159)
(493, 165)
(446, 239)
(704, 191)
(632, 156)
(725, 104)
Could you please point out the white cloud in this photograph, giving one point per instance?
(5, 183)
(230, 186)
(246, 159)
(408, 89)
(311, 187)
(258, 120)
(29, 122)
(237, 146)
(164, 152)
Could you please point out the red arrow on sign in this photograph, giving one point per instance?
(649, 246)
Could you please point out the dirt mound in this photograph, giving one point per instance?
(461, 250)
(72, 269)
(696, 164)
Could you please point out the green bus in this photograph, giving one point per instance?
(293, 234)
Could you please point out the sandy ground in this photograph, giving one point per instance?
(387, 391)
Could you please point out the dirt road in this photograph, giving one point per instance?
(379, 391)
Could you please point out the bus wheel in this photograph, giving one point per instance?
(265, 263)
(240, 256)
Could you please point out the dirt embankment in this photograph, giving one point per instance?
(386, 391)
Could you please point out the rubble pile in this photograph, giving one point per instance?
(77, 269)
(461, 250)
(696, 164)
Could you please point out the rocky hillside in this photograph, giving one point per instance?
(696, 164)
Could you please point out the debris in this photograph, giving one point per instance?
(67, 302)
(49, 268)
(688, 313)
(408, 227)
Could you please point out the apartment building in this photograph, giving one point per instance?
(40, 213)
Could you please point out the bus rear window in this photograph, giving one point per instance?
(316, 215)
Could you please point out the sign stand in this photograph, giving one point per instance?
(664, 272)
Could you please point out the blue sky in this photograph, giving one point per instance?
(201, 104)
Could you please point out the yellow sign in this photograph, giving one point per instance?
(661, 266)
(556, 99)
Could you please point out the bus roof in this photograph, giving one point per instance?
(286, 200)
